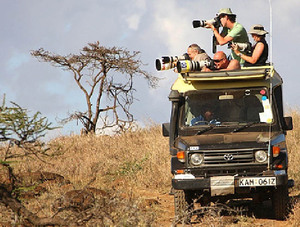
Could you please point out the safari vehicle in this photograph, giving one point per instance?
(241, 151)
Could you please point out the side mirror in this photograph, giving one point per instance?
(288, 123)
(166, 129)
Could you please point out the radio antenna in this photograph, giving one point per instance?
(271, 87)
(271, 34)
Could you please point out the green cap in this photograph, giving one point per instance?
(226, 11)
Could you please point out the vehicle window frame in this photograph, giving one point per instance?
(183, 126)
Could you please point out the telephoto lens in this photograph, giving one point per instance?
(202, 23)
(163, 66)
(169, 62)
(198, 23)
(185, 66)
(241, 46)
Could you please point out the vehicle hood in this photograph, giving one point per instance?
(227, 138)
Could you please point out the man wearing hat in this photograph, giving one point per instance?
(232, 31)
(260, 50)
(196, 53)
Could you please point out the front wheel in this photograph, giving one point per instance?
(183, 204)
(280, 197)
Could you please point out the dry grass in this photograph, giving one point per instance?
(132, 158)
(293, 143)
(120, 165)
(294, 219)
(124, 166)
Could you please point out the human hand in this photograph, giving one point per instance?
(208, 25)
(235, 48)
(205, 69)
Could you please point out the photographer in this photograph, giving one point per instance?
(197, 57)
(232, 30)
(196, 53)
(222, 63)
(260, 50)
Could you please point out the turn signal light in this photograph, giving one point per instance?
(179, 171)
(279, 166)
(276, 151)
(181, 156)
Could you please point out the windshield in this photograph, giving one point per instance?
(228, 107)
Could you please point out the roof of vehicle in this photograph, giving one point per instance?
(245, 77)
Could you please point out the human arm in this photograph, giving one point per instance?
(197, 120)
(221, 38)
(206, 69)
(233, 65)
(257, 52)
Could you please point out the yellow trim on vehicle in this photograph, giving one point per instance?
(246, 77)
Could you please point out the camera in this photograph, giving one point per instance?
(241, 46)
(202, 23)
(184, 66)
(169, 62)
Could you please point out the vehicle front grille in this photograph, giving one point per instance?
(227, 162)
(235, 156)
(227, 157)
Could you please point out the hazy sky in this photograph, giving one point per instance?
(153, 27)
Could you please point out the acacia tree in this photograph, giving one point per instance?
(105, 76)
(19, 129)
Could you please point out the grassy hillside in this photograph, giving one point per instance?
(119, 169)
(293, 142)
(123, 169)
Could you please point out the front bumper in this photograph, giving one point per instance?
(230, 184)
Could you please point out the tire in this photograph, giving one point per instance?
(280, 199)
(183, 204)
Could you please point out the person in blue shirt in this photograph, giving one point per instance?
(206, 118)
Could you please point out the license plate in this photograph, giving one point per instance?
(257, 181)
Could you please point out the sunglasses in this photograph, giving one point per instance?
(218, 60)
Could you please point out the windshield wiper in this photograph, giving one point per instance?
(205, 130)
(245, 126)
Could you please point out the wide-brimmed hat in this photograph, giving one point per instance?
(226, 11)
(258, 29)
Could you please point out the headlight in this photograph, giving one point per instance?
(261, 156)
(196, 159)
